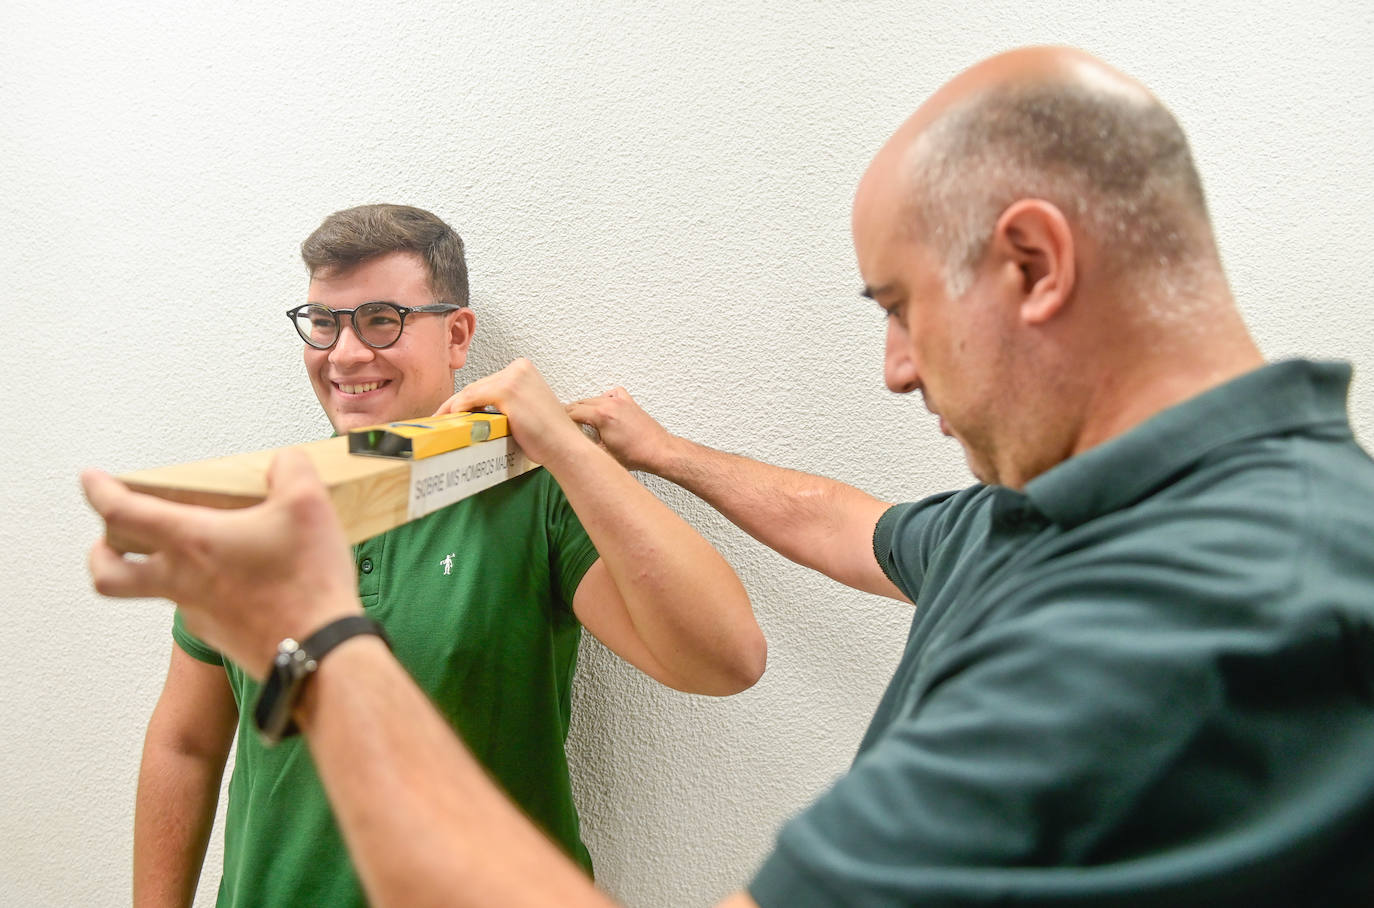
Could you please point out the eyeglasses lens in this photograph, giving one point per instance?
(378, 324)
(317, 325)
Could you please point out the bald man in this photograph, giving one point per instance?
(1141, 668)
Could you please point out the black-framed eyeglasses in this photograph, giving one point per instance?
(377, 324)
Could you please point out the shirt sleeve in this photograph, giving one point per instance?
(571, 552)
(191, 644)
(906, 536)
(1015, 754)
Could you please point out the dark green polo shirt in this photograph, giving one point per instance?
(1148, 680)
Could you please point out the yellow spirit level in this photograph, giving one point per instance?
(416, 439)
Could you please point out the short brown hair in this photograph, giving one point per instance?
(353, 236)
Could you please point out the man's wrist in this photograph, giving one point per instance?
(568, 448)
(344, 661)
(295, 665)
(677, 459)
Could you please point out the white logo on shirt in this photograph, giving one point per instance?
(447, 563)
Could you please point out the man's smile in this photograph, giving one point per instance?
(357, 388)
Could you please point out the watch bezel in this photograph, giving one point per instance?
(293, 665)
(272, 714)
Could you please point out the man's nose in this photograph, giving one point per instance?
(899, 370)
(349, 348)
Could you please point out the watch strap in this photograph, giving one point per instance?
(293, 666)
(336, 632)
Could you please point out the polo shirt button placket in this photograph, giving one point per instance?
(369, 573)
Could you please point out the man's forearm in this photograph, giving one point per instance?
(424, 824)
(173, 816)
(817, 522)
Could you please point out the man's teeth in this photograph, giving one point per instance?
(359, 389)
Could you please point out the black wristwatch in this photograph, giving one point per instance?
(293, 665)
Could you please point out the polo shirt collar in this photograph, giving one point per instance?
(1282, 397)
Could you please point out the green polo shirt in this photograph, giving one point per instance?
(1148, 680)
(477, 600)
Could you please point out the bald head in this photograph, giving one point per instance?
(1053, 124)
(1038, 236)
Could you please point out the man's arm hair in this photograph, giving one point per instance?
(819, 523)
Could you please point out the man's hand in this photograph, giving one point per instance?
(632, 436)
(244, 579)
(538, 422)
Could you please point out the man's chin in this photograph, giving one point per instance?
(981, 471)
(344, 423)
(356, 419)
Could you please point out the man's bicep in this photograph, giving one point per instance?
(858, 565)
(196, 712)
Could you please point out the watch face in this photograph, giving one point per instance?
(293, 664)
(272, 713)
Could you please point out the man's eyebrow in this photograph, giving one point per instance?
(873, 293)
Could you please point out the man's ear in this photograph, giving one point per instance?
(460, 336)
(1034, 236)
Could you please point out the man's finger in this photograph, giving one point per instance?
(457, 403)
(138, 520)
(122, 578)
(446, 407)
(471, 397)
(292, 468)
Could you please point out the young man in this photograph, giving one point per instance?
(482, 601)
(1141, 669)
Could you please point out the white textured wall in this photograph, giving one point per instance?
(654, 197)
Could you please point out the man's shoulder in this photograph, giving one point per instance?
(1261, 496)
(943, 509)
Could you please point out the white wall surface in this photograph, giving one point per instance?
(652, 194)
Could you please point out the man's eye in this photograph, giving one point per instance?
(381, 321)
(319, 323)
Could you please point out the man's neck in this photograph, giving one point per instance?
(1162, 372)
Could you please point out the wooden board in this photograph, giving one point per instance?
(370, 494)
